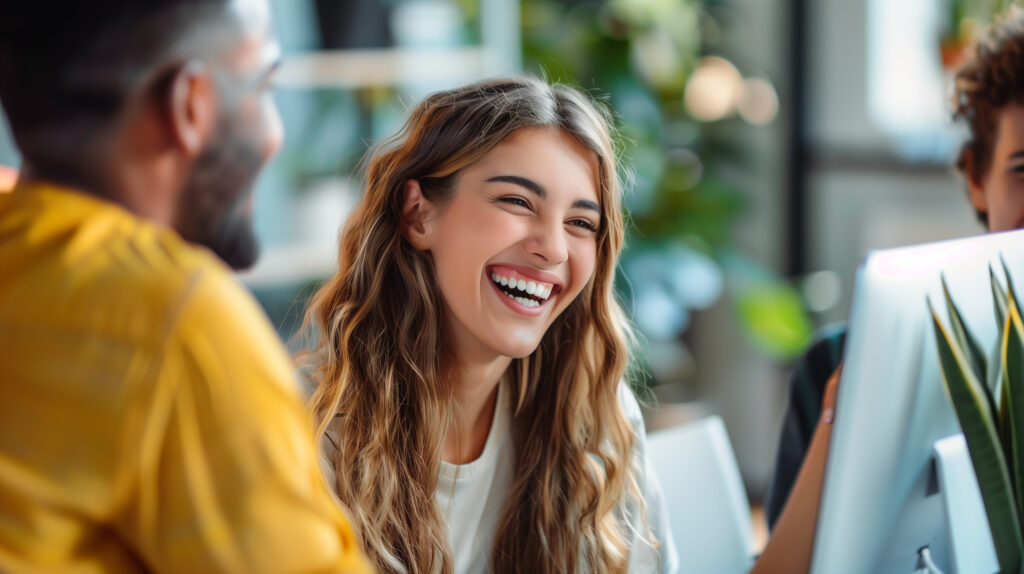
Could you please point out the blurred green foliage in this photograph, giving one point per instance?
(964, 21)
(640, 54)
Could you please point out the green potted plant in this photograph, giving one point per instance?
(989, 403)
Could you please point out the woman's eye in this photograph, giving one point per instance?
(585, 224)
(515, 200)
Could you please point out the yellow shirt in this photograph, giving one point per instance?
(149, 417)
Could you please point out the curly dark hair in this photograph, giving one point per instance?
(989, 82)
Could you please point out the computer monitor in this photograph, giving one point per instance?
(880, 502)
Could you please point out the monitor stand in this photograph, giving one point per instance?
(970, 539)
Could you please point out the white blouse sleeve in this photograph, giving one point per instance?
(645, 558)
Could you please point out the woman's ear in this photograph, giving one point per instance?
(975, 183)
(416, 211)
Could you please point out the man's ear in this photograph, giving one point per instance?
(191, 105)
(975, 184)
(416, 216)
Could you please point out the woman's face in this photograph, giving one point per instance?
(1000, 194)
(516, 243)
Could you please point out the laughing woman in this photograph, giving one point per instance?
(470, 357)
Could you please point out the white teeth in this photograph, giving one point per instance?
(526, 302)
(534, 288)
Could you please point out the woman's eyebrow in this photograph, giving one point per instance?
(521, 182)
(587, 204)
(538, 189)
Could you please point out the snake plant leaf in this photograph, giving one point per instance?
(970, 346)
(1011, 291)
(1003, 418)
(998, 298)
(990, 465)
(1013, 383)
(1003, 415)
(999, 302)
(997, 369)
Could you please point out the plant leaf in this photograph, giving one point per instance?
(995, 376)
(1013, 383)
(987, 458)
(969, 345)
(998, 298)
(1011, 292)
(1004, 422)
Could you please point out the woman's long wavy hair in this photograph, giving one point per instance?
(383, 376)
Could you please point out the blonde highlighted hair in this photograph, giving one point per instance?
(383, 374)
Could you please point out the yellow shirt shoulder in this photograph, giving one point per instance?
(147, 405)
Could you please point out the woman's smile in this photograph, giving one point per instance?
(524, 291)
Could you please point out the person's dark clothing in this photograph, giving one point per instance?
(806, 390)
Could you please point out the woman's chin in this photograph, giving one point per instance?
(520, 350)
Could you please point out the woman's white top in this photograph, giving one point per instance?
(471, 496)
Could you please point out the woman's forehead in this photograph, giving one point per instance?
(540, 150)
